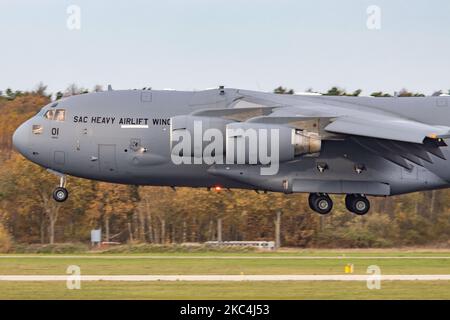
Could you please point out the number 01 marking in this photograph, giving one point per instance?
(55, 131)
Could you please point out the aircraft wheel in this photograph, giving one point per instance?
(349, 201)
(60, 194)
(311, 198)
(320, 203)
(357, 204)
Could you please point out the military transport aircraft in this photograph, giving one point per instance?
(232, 138)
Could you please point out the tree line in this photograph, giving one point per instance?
(162, 215)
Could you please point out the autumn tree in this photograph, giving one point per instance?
(336, 91)
(405, 93)
(111, 209)
(27, 190)
(73, 90)
(379, 94)
(283, 90)
(15, 112)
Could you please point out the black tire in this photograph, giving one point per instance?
(321, 203)
(360, 205)
(60, 194)
(349, 202)
(311, 199)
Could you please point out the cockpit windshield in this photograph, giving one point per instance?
(56, 115)
(60, 115)
(49, 114)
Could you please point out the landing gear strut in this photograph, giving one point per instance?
(320, 203)
(61, 194)
(358, 204)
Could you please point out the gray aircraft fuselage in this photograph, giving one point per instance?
(124, 137)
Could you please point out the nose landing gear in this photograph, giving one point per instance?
(61, 194)
(320, 203)
(358, 204)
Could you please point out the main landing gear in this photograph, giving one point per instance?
(322, 203)
(358, 204)
(61, 194)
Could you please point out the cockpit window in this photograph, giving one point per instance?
(37, 129)
(49, 114)
(60, 115)
(57, 115)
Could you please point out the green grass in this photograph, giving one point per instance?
(292, 262)
(226, 290)
(216, 265)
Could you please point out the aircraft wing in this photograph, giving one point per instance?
(387, 128)
(340, 118)
(389, 135)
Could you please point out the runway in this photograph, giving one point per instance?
(152, 278)
(164, 257)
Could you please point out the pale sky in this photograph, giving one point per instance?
(251, 44)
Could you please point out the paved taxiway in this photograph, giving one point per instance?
(149, 278)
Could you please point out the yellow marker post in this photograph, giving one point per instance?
(348, 268)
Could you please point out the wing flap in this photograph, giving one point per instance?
(386, 128)
(375, 147)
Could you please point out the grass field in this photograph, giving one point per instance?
(227, 290)
(292, 262)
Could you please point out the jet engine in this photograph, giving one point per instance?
(252, 143)
(196, 133)
(240, 142)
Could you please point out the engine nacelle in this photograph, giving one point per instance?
(239, 142)
(200, 131)
(253, 143)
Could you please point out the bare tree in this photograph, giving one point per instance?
(73, 90)
(98, 88)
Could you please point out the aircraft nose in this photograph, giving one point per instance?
(20, 139)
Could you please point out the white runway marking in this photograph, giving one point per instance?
(150, 278)
(223, 257)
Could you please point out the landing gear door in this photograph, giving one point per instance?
(107, 158)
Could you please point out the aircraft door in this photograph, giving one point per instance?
(107, 158)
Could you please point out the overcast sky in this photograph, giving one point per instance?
(252, 44)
